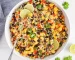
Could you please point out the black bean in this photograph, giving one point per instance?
(60, 12)
(36, 45)
(21, 49)
(38, 40)
(30, 55)
(44, 40)
(32, 41)
(42, 21)
(47, 37)
(34, 4)
(52, 12)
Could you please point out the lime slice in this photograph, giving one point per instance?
(29, 7)
(56, 45)
(24, 13)
(72, 48)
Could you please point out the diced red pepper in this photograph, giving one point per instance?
(39, 25)
(43, 1)
(35, 52)
(30, 1)
(50, 21)
(36, 56)
(54, 15)
(59, 24)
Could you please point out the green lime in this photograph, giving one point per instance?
(72, 48)
(29, 7)
(55, 44)
(24, 13)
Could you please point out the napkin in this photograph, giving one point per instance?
(5, 8)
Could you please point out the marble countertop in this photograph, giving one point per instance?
(5, 50)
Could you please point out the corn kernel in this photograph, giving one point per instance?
(51, 16)
(55, 10)
(42, 34)
(51, 5)
(43, 17)
(45, 8)
(35, 38)
(30, 14)
(33, 29)
(52, 51)
(24, 31)
(42, 38)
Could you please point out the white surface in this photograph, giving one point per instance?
(5, 50)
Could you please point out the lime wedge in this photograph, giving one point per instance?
(29, 7)
(56, 45)
(24, 13)
(72, 48)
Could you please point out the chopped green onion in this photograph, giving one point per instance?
(20, 27)
(47, 25)
(29, 30)
(40, 52)
(39, 6)
(32, 35)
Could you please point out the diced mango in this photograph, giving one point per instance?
(42, 34)
(52, 51)
(36, 38)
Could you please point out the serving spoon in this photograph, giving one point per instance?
(10, 56)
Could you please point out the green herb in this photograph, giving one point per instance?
(20, 27)
(40, 52)
(32, 35)
(39, 6)
(35, 48)
(65, 58)
(65, 5)
(29, 30)
(57, 58)
(68, 58)
(47, 25)
(47, 0)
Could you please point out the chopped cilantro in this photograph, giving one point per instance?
(65, 5)
(57, 58)
(68, 58)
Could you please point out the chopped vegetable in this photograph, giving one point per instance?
(68, 58)
(32, 35)
(47, 25)
(65, 5)
(35, 52)
(30, 1)
(57, 58)
(29, 30)
(39, 25)
(40, 52)
(20, 27)
(43, 1)
(39, 6)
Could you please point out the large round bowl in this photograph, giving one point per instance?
(7, 31)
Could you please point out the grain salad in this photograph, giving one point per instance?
(39, 26)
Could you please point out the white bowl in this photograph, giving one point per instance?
(7, 31)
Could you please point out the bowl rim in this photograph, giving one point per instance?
(7, 32)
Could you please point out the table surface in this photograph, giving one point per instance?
(5, 50)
